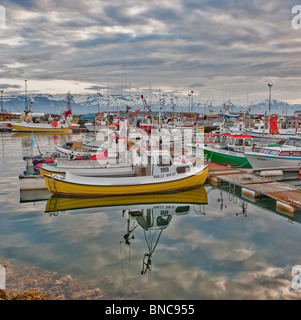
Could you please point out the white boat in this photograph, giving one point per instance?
(78, 149)
(238, 128)
(264, 130)
(284, 156)
(212, 114)
(100, 123)
(5, 125)
(229, 115)
(90, 168)
(103, 123)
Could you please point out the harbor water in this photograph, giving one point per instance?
(222, 247)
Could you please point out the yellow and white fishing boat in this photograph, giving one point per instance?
(40, 127)
(157, 173)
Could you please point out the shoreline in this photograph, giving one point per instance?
(25, 282)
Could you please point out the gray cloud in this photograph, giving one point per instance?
(167, 43)
(96, 88)
(8, 86)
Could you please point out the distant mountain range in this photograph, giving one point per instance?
(92, 103)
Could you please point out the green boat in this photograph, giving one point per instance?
(231, 153)
(234, 159)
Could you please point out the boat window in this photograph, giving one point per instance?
(266, 151)
(274, 152)
(231, 141)
(296, 153)
(184, 209)
(284, 153)
(164, 161)
(248, 142)
(163, 221)
(293, 142)
(239, 142)
(182, 169)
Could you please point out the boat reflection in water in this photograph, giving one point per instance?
(154, 219)
(195, 196)
(153, 213)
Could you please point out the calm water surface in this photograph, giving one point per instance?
(226, 248)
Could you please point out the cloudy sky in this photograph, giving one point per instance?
(220, 49)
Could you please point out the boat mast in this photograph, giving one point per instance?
(68, 101)
(270, 96)
(25, 97)
(149, 109)
(2, 110)
(173, 107)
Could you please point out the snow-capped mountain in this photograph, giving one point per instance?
(92, 103)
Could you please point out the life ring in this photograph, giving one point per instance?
(209, 138)
(71, 156)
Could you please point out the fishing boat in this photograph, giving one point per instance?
(157, 173)
(79, 149)
(192, 197)
(41, 127)
(284, 156)
(229, 115)
(230, 153)
(238, 127)
(62, 125)
(270, 130)
(99, 123)
(6, 118)
(103, 123)
(212, 114)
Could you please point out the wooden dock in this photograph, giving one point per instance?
(288, 197)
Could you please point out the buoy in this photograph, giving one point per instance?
(250, 193)
(209, 138)
(271, 173)
(300, 174)
(285, 208)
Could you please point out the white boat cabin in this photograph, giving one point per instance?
(291, 148)
(160, 164)
(240, 143)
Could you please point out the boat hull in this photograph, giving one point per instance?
(265, 161)
(227, 157)
(68, 188)
(266, 135)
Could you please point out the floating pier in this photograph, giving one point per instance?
(288, 197)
